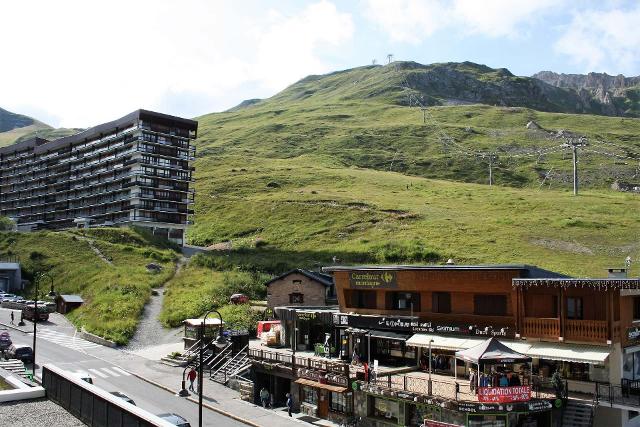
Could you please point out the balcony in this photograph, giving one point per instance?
(595, 331)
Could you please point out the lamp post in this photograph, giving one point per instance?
(430, 341)
(36, 315)
(220, 342)
(183, 390)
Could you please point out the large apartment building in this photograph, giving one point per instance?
(135, 170)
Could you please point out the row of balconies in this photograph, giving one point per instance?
(596, 331)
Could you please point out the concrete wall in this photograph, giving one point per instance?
(314, 293)
(11, 270)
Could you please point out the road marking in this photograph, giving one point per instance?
(122, 371)
(108, 371)
(66, 340)
(98, 373)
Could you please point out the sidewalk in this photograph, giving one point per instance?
(215, 395)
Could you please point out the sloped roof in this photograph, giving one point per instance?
(71, 298)
(325, 279)
(491, 350)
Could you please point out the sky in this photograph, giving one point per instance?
(80, 63)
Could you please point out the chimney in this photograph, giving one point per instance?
(617, 273)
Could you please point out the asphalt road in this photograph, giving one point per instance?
(108, 375)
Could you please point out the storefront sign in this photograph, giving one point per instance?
(306, 315)
(431, 423)
(504, 394)
(406, 324)
(536, 405)
(633, 334)
(373, 280)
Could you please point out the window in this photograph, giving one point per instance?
(490, 305)
(574, 308)
(441, 302)
(341, 402)
(386, 409)
(636, 308)
(403, 301)
(296, 298)
(309, 395)
(361, 299)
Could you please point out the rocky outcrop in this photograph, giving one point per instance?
(611, 95)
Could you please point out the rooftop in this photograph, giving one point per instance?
(531, 270)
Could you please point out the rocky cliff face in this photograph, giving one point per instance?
(614, 95)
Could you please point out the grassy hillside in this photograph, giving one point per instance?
(333, 166)
(105, 266)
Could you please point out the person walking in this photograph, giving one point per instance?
(289, 403)
(264, 397)
(12, 317)
(192, 375)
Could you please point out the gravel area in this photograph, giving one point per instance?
(150, 332)
(36, 413)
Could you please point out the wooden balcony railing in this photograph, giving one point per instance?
(586, 330)
(535, 327)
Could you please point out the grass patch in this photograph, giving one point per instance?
(114, 293)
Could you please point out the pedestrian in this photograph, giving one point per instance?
(264, 397)
(192, 375)
(12, 317)
(289, 403)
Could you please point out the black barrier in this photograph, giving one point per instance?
(94, 406)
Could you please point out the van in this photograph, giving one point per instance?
(28, 312)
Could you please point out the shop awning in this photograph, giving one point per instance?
(460, 343)
(316, 384)
(569, 352)
(492, 351)
(389, 335)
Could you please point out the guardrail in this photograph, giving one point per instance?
(92, 405)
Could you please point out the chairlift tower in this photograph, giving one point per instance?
(574, 144)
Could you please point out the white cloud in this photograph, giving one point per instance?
(414, 20)
(603, 40)
(89, 62)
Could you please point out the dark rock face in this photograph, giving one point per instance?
(611, 95)
(10, 121)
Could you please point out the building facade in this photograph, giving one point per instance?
(136, 170)
(301, 287)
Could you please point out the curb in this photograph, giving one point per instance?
(15, 328)
(206, 405)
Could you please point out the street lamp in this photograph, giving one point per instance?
(183, 391)
(430, 341)
(36, 315)
(220, 342)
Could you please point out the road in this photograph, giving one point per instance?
(56, 346)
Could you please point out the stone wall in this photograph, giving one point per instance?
(314, 293)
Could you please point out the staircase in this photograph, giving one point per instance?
(577, 414)
(185, 358)
(233, 366)
(15, 366)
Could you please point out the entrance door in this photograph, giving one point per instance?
(323, 403)
(4, 284)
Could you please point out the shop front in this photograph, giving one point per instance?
(324, 395)
(308, 329)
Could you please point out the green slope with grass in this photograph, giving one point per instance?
(106, 266)
(333, 166)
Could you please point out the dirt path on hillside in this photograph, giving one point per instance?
(150, 331)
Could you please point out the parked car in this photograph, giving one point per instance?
(175, 419)
(123, 397)
(239, 299)
(20, 352)
(29, 312)
(5, 340)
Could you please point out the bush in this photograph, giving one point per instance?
(6, 224)
(240, 317)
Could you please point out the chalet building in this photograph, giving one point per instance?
(301, 288)
(134, 170)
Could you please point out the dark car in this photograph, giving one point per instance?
(175, 419)
(239, 299)
(5, 340)
(21, 352)
(123, 397)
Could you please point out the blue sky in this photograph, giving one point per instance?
(81, 63)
